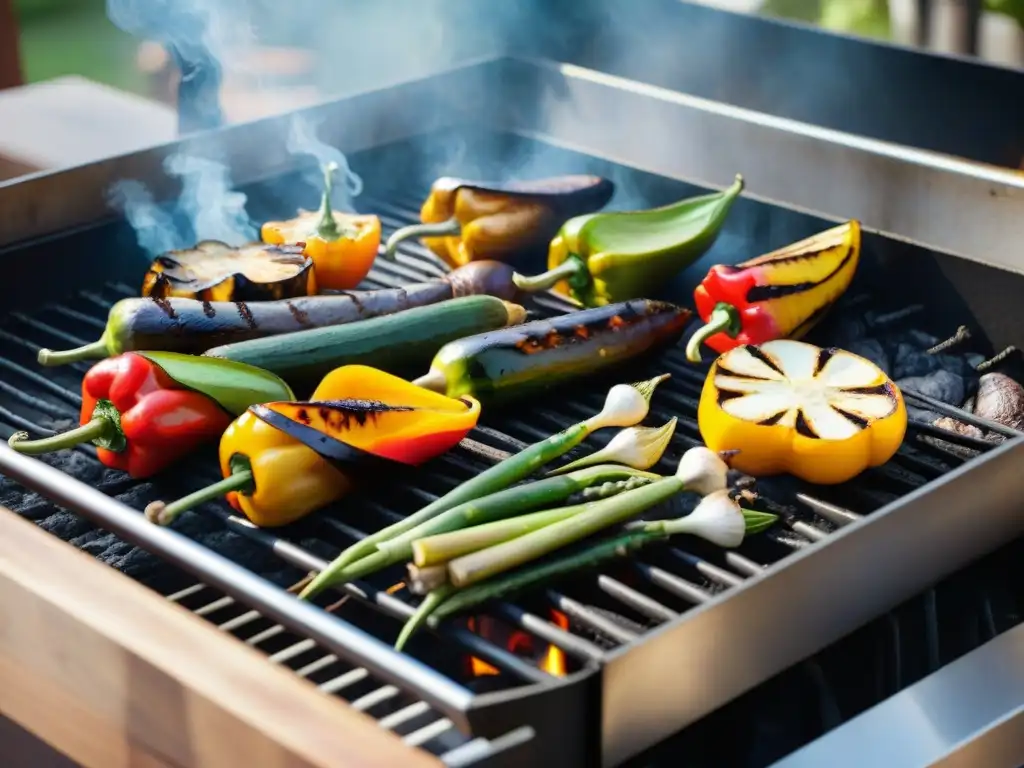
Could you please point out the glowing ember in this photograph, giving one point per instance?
(548, 657)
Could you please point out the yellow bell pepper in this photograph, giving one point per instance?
(466, 221)
(283, 460)
(342, 246)
(823, 415)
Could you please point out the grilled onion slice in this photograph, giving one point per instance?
(823, 415)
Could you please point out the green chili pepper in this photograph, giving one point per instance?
(625, 406)
(601, 258)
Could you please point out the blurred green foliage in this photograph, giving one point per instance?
(868, 18)
(1012, 8)
(74, 37)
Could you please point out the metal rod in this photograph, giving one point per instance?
(389, 604)
(961, 415)
(343, 639)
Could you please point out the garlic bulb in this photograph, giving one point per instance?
(636, 447)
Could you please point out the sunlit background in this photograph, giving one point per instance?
(62, 37)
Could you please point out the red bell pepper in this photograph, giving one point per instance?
(144, 410)
(780, 295)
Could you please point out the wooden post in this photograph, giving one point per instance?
(10, 60)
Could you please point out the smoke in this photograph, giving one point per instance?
(154, 226)
(207, 209)
(214, 210)
(302, 140)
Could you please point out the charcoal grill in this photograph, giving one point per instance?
(684, 616)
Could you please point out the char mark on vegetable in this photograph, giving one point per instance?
(166, 308)
(758, 293)
(208, 310)
(853, 418)
(823, 357)
(353, 296)
(879, 389)
(339, 414)
(300, 317)
(762, 357)
(329, 447)
(771, 421)
(246, 314)
(721, 370)
(803, 427)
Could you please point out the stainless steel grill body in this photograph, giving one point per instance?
(756, 622)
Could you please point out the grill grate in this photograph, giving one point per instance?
(411, 719)
(604, 611)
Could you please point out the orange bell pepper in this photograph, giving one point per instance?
(341, 245)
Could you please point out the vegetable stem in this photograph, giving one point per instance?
(164, 514)
(429, 604)
(442, 229)
(589, 556)
(95, 429)
(724, 318)
(327, 227)
(96, 350)
(547, 280)
(597, 515)
(433, 380)
(443, 547)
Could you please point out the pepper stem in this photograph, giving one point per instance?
(434, 380)
(96, 350)
(327, 228)
(441, 229)
(93, 430)
(725, 318)
(164, 514)
(547, 280)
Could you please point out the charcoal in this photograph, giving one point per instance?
(974, 360)
(910, 361)
(871, 349)
(940, 385)
(918, 339)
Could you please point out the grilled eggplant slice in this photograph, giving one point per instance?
(216, 271)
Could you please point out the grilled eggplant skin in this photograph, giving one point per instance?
(510, 363)
(190, 326)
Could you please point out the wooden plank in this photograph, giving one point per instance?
(70, 121)
(115, 676)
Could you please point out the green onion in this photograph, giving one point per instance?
(625, 405)
(498, 506)
(421, 581)
(477, 566)
(446, 601)
(637, 447)
(447, 546)
(699, 469)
